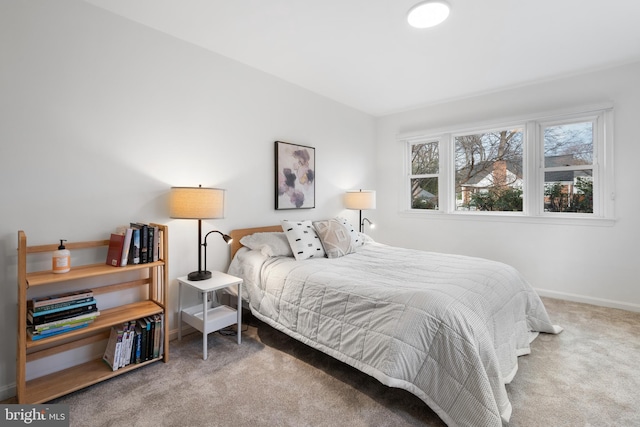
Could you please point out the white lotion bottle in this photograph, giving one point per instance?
(61, 262)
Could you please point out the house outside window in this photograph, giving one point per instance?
(568, 167)
(489, 170)
(557, 165)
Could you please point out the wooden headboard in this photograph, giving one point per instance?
(238, 234)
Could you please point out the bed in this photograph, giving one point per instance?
(446, 328)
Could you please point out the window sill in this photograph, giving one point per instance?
(509, 217)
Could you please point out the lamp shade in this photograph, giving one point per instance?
(196, 203)
(360, 200)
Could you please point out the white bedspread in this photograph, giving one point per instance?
(446, 328)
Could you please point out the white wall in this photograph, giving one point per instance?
(596, 264)
(101, 116)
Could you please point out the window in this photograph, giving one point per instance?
(568, 167)
(425, 164)
(555, 166)
(488, 170)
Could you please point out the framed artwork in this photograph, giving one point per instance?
(295, 176)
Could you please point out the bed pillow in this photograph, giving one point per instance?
(335, 237)
(303, 239)
(356, 237)
(269, 243)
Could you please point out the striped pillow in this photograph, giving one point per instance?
(303, 239)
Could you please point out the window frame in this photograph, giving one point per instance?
(533, 167)
(478, 130)
(411, 175)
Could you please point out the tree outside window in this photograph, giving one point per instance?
(488, 171)
(568, 168)
(425, 166)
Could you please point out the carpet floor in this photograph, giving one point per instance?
(586, 376)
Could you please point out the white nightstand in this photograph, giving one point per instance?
(210, 319)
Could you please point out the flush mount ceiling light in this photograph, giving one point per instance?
(428, 14)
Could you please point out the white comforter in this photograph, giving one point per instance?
(446, 328)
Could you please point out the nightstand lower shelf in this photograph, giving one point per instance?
(217, 318)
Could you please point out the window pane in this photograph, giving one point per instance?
(424, 158)
(489, 171)
(424, 193)
(568, 191)
(568, 145)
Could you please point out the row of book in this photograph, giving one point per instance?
(136, 244)
(135, 341)
(57, 314)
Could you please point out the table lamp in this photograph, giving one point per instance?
(360, 200)
(198, 203)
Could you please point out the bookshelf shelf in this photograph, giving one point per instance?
(107, 319)
(153, 276)
(63, 382)
(40, 278)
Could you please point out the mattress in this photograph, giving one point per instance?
(447, 328)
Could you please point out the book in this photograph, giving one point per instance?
(156, 336)
(126, 246)
(144, 243)
(138, 344)
(35, 337)
(70, 321)
(144, 326)
(66, 314)
(56, 305)
(121, 341)
(161, 353)
(61, 309)
(144, 240)
(151, 336)
(65, 297)
(128, 340)
(110, 353)
(63, 328)
(119, 338)
(152, 251)
(160, 234)
(134, 248)
(114, 252)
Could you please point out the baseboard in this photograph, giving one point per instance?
(589, 300)
(186, 330)
(7, 392)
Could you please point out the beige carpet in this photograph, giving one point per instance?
(586, 376)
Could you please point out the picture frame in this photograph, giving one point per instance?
(295, 176)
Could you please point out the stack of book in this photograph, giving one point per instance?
(136, 244)
(57, 314)
(135, 341)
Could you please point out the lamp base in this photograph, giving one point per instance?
(199, 275)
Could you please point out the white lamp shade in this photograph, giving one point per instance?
(360, 200)
(196, 203)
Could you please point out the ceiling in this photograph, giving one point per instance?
(363, 54)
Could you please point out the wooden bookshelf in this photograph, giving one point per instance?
(154, 276)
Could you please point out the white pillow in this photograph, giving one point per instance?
(356, 237)
(303, 239)
(336, 239)
(269, 243)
